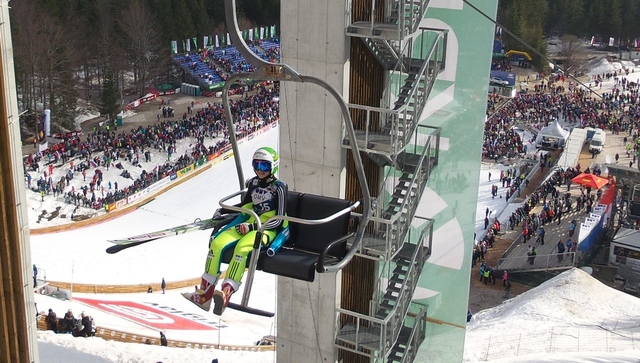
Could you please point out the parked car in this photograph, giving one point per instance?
(498, 81)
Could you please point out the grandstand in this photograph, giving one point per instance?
(211, 67)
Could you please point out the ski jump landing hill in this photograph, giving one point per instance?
(79, 269)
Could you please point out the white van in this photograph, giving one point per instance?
(597, 141)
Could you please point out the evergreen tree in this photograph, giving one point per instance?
(65, 102)
(108, 105)
(526, 18)
(261, 12)
(630, 25)
(615, 19)
(574, 10)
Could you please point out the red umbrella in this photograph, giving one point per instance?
(590, 180)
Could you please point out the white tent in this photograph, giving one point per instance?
(552, 136)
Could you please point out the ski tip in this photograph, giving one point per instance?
(114, 249)
(118, 248)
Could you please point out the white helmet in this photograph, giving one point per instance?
(266, 154)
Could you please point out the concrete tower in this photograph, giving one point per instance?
(414, 73)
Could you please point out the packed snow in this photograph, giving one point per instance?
(570, 318)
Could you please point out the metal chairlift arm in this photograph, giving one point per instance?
(240, 209)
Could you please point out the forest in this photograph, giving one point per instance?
(68, 49)
(536, 20)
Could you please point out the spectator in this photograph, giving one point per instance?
(507, 289)
(93, 327)
(86, 327)
(531, 253)
(163, 285)
(163, 339)
(560, 250)
(69, 322)
(52, 321)
(541, 233)
(569, 245)
(35, 276)
(572, 228)
(149, 290)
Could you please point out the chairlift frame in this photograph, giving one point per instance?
(270, 71)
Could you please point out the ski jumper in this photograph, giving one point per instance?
(266, 198)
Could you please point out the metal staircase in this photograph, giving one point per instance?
(392, 327)
(400, 18)
(389, 127)
(406, 152)
(405, 178)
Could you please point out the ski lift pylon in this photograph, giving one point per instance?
(307, 251)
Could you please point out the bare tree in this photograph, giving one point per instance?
(43, 55)
(142, 43)
(28, 56)
(572, 53)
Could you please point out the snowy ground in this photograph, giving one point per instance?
(571, 318)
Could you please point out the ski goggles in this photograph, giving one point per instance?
(261, 165)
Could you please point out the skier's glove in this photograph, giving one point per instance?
(244, 228)
(217, 214)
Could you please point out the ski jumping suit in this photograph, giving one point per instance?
(266, 198)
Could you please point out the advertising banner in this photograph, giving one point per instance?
(147, 315)
(505, 76)
(185, 170)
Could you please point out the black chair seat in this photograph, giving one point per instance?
(296, 264)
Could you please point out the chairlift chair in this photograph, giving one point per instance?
(319, 225)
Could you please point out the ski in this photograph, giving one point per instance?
(198, 225)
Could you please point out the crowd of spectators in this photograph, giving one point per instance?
(616, 111)
(84, 326)
(104, 149)
(554, 204)
(222, 62)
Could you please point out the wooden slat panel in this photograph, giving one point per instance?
(14, 343)
(123, 289)
(366, 88)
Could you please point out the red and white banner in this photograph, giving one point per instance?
(148, 315)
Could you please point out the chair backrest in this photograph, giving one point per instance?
(317, 237)
(293, 199)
